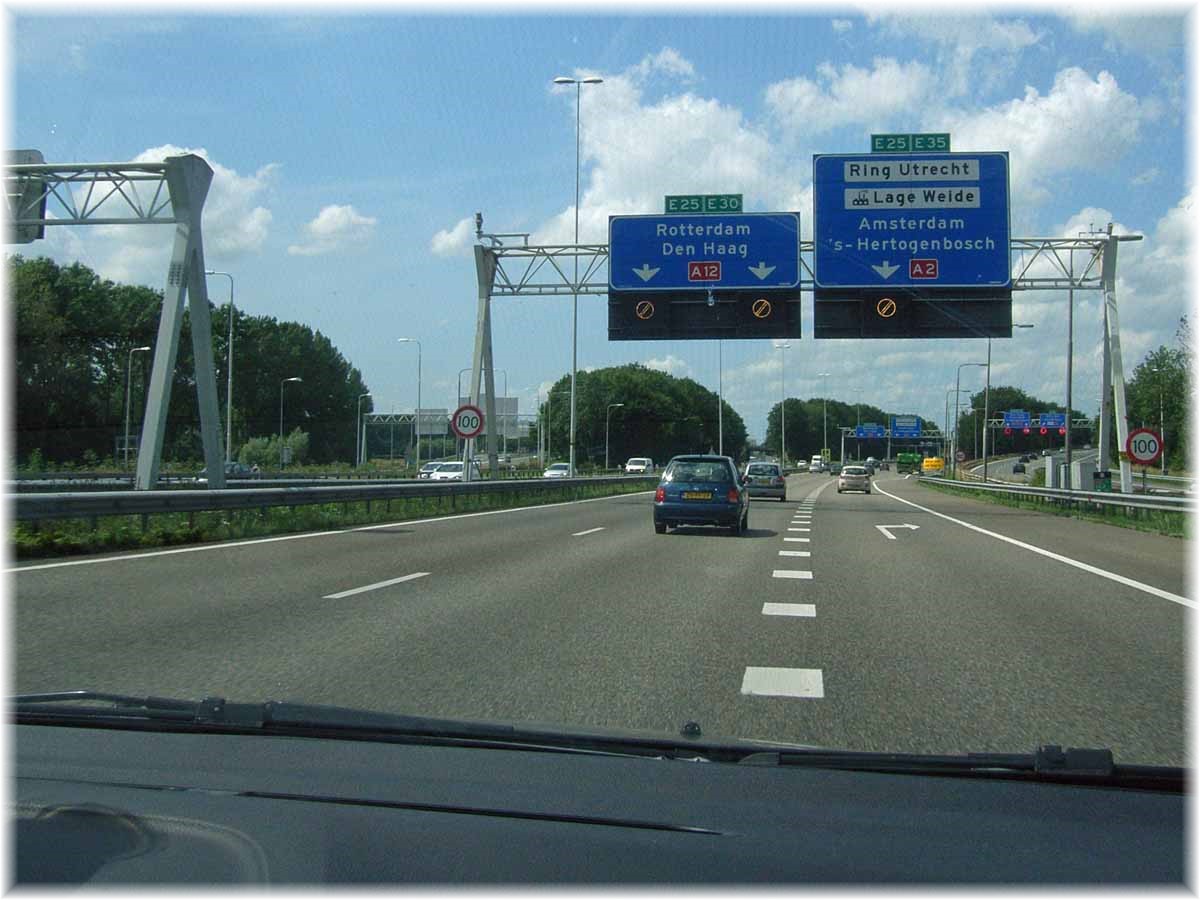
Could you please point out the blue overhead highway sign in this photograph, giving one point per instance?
(1052, 420)
(1016, 418)
(870, 430)
(697, 252)
(906, 426)
(919, 220)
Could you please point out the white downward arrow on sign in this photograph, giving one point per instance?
(762, 270)
(885, 271)
(645, 272)
(891, 537)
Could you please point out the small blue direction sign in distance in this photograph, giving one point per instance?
(932, 220)
(1016, 418)
(723, 251)
(1052, 420)
(870, 430)
(906, 426)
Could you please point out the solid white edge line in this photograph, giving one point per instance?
(1050, 554)
(589, 531)
(776, 682)
(807, 610)
(792, 573)
(374, 587)
(310, 534)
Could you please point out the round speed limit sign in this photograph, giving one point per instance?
(1144, 446)
(467, 421)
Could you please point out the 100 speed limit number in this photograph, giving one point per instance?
(1144, 446)
(467, 421)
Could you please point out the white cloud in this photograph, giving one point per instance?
(1150, 35)
(670, 364)
(1146, 177)
(970, 51)
(850, 95)
(841, 25)
(668, 61)
(334, 228)
(1051, 133)
(448, 242)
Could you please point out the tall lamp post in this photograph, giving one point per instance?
(578, 82)
(360, 448)
(824, 410)
(128, 381)
(946, 430)
(987, 396)
(417, 417)
(954, 445)
(783, 347)
(228, 372)
(607, 413)
(281, 384)
(1162, 423)
(857, 423)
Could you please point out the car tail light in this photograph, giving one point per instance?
(732, 496)
(660, 495)
(777, 481)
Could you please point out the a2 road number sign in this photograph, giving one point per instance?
(467, 421)
(1144, 446)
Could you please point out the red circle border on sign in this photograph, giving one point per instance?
(466, 436)
(1129, 443)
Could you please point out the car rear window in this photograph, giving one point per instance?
(700, 471)
(854, 470)
(763, 469)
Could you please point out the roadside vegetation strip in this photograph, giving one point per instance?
(67, 537)
(1155, 521)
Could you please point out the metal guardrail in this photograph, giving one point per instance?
(1095, 498)
(92, 505)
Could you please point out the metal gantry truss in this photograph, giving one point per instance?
(524, 270)
(171, 192)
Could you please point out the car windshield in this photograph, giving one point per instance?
(343, 250)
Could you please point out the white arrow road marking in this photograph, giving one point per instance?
(891, 537)
(762, 270)
(885, 271)
(645, 272)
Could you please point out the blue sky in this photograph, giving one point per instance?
(352, 150)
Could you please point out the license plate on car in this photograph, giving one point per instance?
(697, 495)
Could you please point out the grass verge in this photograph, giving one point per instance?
(71, 537)
(1165, 522)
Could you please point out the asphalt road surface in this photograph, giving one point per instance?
(903, 620)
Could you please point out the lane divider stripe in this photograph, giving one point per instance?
(773, 682)
(374, 587)
(792, 573)
(807, 610)
(589, 531)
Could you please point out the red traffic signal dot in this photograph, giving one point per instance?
(1008, 431)
(1024, 431)
(1062, 431)
(1043, 431)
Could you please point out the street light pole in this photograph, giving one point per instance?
(783, 346)
(128, 381)
(720, 400)
(824, 410)
(987, 391)
(954, 443)
(359, 449)
(578, 82)
(228, 373)
(607, 413)
(281, 384)
(417, 417)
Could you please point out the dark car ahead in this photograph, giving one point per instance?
(701, 490)
(765, 480)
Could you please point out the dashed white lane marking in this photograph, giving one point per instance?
(807, 610)
(374, 587)
(799, 529)
(770, 682)
(792, 573)
(799, 540)
(589, 531)
(1103, 573)
(794, 553)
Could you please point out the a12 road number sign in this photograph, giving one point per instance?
(467, 421)
(1144, 446)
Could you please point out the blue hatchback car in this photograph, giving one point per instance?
(701, 490)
